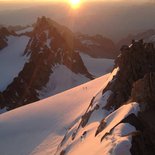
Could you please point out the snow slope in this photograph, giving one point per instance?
(116, 143)
(97, 66)
(12, 60)
(28, 29)
(115, 137)
(60, 80)
(38, 128)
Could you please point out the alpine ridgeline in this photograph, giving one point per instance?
(50, 46)
(120, 118)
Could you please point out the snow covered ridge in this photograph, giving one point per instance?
(93, 64)
(117, 120)
(38, 128)
(56, 84)
(111, 116)
(100, 131)
(12, 60)
(44, 63)
(114, 139)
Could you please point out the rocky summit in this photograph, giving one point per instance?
(135, 82)
(47, 47)
(134, 63)
(132, 82)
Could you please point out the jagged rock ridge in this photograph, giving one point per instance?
(133, 82)
(50, 44)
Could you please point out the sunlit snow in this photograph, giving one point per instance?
(12, 60)
(38, 128)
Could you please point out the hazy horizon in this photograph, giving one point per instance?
(111, 19)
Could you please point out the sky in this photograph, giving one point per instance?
(68, 0)
(110, 20)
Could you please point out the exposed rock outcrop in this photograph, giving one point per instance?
(4, 32)
(1, 101)
(144, 90)
(49, 45)
(134, 62)
(134, 82)
(144, 93)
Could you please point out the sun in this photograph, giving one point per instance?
(75, 3)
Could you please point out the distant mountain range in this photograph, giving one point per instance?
(47, 58)
(147, 36)
(114, 20)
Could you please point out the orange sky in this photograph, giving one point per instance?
(43, 1)
(50, 0)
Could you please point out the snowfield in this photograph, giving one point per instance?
(89, 42)
(38, 128)
(114, 139)
(28, 29)
(118, 142)
(97, 66)
(12, 60)
(63, 78)
(60, 80)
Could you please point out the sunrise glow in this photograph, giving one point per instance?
(75, 3)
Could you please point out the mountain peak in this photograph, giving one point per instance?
(130, 92)
(49, 46)
(42, 23)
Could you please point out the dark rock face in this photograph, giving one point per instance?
(1, 101)
(3, 34)
(48, 46)
(101, 127)
(134, 62)
(3, 43)
(144, 143)
(96, 46)
(143, 92)
(135, 82)
(141, 146)
(63, 152)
